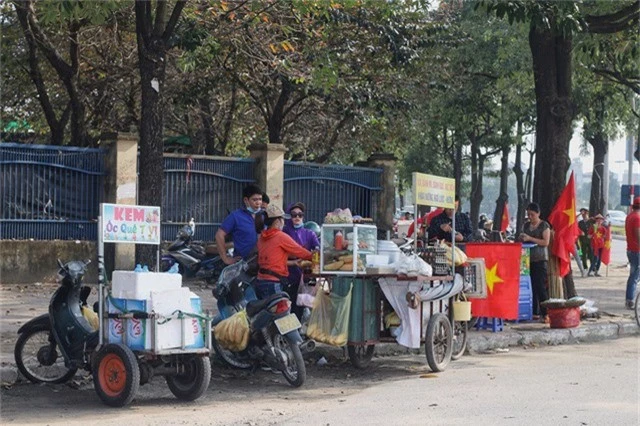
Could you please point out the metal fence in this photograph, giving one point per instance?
(50, 192)
(204, 188)
(323, 188)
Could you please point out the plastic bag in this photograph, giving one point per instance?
(339, 216)
(329, 321)
(306, 294)
(461, 257)
(233, 332)
(413, 266)
(91, 316)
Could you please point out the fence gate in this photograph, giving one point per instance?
(50, 192)
(323, 188)
(204, 188)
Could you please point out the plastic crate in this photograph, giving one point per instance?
(474, 275)
(525, 299)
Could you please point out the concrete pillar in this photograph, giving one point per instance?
(269, 169)
(121, 188)
(385, 207)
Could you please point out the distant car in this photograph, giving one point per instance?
(616, 217)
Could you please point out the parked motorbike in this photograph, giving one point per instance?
(191, 258)
(53, 346)
(274, 331)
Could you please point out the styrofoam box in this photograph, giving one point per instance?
(139, 285)
(169, 334)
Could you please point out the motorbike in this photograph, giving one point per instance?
(53, 346)
(191, 258)
(274, 339)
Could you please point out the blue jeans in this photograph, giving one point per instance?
(634, 273)
(597, 259)
(266, 288)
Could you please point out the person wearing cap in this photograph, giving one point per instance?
(308, 239)
(240, 224)
(441, 226)
(583, 238)
(597, 233)
(632, 232)
(274, 249)
(537, 231)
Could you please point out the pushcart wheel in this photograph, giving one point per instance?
(459, 344)
(194, 381)
(116, 375)
(360, 355)
(438, 342)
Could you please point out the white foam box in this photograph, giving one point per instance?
(197, 325)
(139, 285)
(169, 334)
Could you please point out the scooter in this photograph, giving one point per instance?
(274, 331)
(53, 346)
(191, 258)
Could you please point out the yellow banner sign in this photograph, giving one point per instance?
(434, 191)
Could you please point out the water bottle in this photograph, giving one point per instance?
(138, 268)
(175, 269)
(145, 268)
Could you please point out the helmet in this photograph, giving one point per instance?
(313, 226)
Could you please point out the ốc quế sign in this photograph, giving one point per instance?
(434, 191)
(130, 224)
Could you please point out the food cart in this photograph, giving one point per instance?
(346, 253)
(145, 332)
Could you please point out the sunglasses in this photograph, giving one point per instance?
(297, 214)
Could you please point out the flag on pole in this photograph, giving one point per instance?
(563, 220)
(606, 251)
(502, 275)
(504, 222)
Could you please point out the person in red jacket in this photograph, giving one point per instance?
(596, 234)
(632, 231)
(274, 249)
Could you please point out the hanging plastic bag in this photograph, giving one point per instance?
(306, 294)
(91, 317)
(329, 321)
(461, 257)
(233, 332)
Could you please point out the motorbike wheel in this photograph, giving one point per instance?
(116, 375)
(191, 384)
(38, 359)
(228, 357)
(459, 344)
(294, 370)
(360, 355)
(437, 345)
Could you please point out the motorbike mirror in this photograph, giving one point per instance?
(87, 261)
(60, 264)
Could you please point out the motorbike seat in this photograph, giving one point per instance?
(256, 306)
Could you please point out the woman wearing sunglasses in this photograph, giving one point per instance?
(308, 239)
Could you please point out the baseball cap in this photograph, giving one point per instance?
(636, 202)
(274, 211)
(584, 209)
(298, 205)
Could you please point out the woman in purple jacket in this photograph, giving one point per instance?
(308, 239)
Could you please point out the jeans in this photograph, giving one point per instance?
(538, 271)
(597, 258)
(634, 273)
(266, 288)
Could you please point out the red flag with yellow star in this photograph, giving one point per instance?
(606, 251)
(563, 220)
(502, 274)
(504, 222)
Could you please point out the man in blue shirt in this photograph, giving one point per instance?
(241, 225)
(441, 225)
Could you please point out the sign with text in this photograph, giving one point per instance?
(122, 223)
(434, 191)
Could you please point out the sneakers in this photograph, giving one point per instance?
(629, 304)
(590, 274)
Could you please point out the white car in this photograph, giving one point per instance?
(616, 217)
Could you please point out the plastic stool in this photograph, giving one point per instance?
(494, 324)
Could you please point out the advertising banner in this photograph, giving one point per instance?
(123, 223)
(434, 191)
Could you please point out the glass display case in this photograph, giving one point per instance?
(344, 248)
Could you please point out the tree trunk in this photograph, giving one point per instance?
(477, 168)
(517, 171)
(277, 116)
(551, 55)
(597, 200)
(503, 198)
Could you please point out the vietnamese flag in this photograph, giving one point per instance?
(504, 222)
(502, 274)
(563, 220)
(606, 251)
